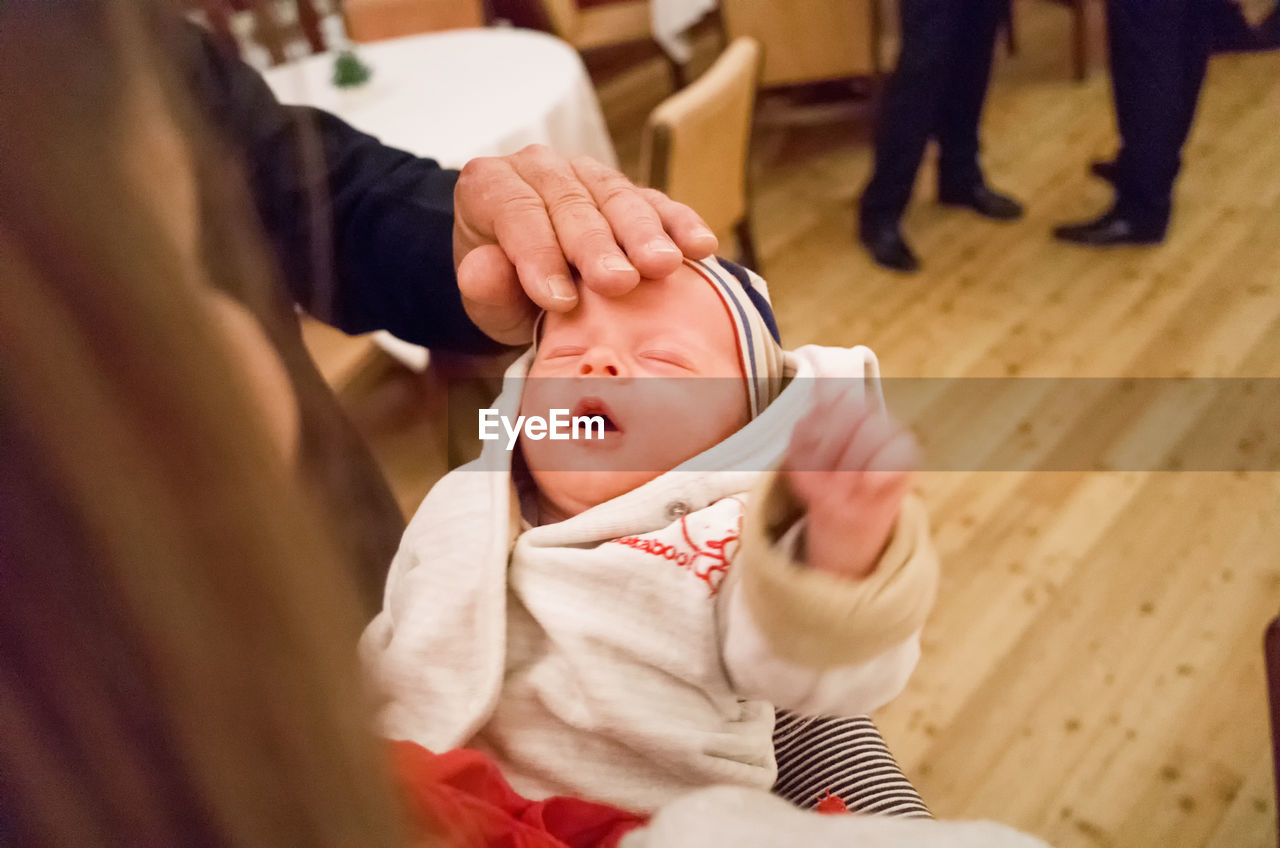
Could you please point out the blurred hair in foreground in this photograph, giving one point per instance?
(177, 636)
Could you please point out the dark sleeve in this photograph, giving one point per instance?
(363, 232)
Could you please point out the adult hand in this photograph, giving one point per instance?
(851, 465)
(521, 220)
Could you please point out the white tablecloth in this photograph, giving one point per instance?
(672, 19)
(453, 96)
(456, 95)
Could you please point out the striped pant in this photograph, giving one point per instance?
(846, 756)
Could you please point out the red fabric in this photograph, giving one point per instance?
(461, 797)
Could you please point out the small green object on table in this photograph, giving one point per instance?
(349, 71)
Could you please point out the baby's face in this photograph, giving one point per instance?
(660, 364)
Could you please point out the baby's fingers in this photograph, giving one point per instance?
(826, 431)
(874, 432)
(820, 445)
(900, 455)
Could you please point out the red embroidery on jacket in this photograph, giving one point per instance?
(708, 560)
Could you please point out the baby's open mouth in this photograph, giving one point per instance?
(594, 406)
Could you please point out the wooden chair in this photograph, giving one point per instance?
(1079, 36)
(374, 20)
(590, 28)
(696, 142)
(599, 26)
(1080, 31)
(269, 30)
(807, 41)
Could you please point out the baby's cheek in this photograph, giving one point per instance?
(687, 416)
(542, 394)
(721, 401)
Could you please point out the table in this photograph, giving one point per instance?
(456, 95)
(671, 22)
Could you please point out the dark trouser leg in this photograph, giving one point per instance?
(908, 111)
(1197, 47)
(961, 108)
(1158, 50)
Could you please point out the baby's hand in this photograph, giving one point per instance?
(851, 466)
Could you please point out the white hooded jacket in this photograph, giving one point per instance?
(638, 649)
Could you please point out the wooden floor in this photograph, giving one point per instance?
(1092, 673)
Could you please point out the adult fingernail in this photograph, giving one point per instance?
(614, 262)
(561, 287)
(705, 235)
(662, 245)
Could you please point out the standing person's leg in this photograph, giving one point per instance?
(1156, 70)
(1150, 81)
(960, 179)
(1197, 47)
(908, 115)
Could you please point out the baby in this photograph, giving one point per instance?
(617, 618)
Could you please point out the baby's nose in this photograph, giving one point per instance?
(600, 361)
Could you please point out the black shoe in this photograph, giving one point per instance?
(1104, 170)
(1111, 229)
(983, 200)
(888, 248)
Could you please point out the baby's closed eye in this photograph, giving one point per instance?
(564, 352)
(667, 357)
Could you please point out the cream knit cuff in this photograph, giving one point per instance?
(823, 620)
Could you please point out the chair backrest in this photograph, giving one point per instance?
(585, 24)
(808, 40)
(696, 141)
(561, 18)
(269, 30)
(374, 20)
(564, 17)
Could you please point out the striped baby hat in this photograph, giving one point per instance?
(746, 298)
